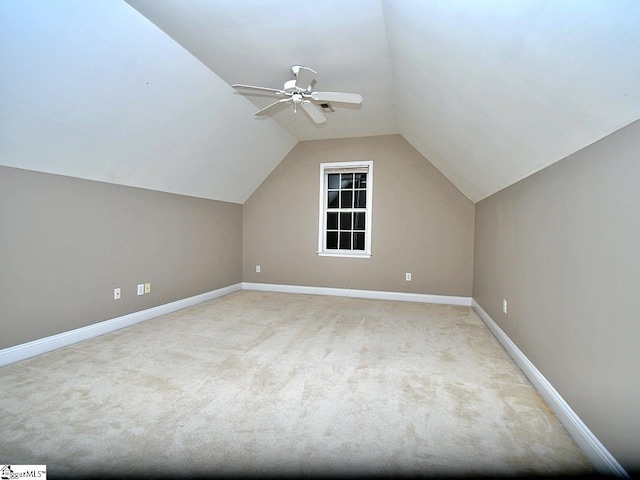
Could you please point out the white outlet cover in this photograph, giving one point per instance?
(257, 268)
(504, 306)
(407, 277)
(141, 289)
(116, 294)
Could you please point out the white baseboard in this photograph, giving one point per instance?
(372, 294)
(47, 344)
(595, 452)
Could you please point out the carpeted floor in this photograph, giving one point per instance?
(269, 383)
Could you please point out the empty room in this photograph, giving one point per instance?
(355, 237)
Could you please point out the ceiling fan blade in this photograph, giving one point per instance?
(264, 110)
(314, 112)
(261, 89)
(337, 97)
(304, 76)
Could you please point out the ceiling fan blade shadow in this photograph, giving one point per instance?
(338, 97)
(314, 112)
(268, 107)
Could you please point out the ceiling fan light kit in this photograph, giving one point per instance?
(299, 93)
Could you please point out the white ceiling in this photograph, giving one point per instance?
(488, 91)
(493, 91)
(257, 41)
(94, 90)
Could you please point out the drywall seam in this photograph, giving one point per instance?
(372, 294)
(592, 448)
(47, 344)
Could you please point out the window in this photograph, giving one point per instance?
(345, 209)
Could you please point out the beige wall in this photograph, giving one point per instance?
(66, 243)
(421, 223)
(563, 247)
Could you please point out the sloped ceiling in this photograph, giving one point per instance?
(94, 90)
(257, 41)
(488, 91)
(492, 91)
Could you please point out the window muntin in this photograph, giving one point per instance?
(345, 209)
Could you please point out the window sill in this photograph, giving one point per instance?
(345, 255)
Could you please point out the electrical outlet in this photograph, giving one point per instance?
(407, 277)
(116, 294)
(257, 268)
(504, 306)
(147, 288)
(141, 289)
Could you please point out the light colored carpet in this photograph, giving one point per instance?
(269, 383)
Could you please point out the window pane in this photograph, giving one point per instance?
(332, 199)
(346, 207)
(332, 240)
(332, 220)
(345, 240)
(345, 221)
(347, 180)
(347, 199)
(358, 241)
(361, 199)
(360, 180)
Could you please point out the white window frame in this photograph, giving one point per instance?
(325, 169)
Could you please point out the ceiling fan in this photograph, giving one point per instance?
(298, 91)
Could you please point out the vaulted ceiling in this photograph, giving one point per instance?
(488, 91)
